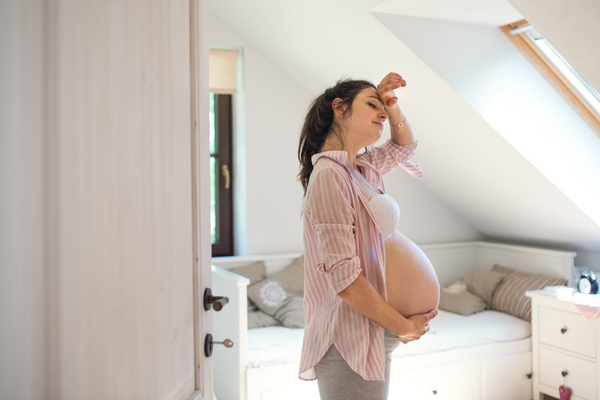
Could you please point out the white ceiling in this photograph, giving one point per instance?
(480, 12)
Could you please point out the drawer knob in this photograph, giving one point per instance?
(563, 330)
(529, 376)
(564, 373)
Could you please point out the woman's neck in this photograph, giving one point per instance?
(334, 144)
(339, 147)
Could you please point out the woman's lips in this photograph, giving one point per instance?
(379, 123)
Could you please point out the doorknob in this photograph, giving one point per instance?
(225, 173)
(217, 302)
(208, 344)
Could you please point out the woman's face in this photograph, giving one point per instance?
(365, 123)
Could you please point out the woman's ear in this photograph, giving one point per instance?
(338, 107)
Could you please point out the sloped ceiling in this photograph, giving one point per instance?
(487, 13)
(466, 162)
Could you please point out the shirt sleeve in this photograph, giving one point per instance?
(332, 216)
(390, 155)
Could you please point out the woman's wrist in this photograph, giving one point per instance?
(396, 116)
(399, 124)
(402, 325)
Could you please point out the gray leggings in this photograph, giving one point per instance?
(337, 381)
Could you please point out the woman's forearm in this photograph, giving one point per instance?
(402, 136)
(363, 297)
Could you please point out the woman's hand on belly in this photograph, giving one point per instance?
(416, 326)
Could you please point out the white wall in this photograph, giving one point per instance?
(471, 167)
(488, 71)
(424, 217)
(495, 79)
(275, 109)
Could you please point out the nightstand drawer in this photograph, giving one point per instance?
(581, 377)
(567, 331)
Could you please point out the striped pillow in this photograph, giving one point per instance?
(510, 298)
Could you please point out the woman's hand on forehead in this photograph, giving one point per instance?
(385, 89)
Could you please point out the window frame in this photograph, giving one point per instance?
(552, 75)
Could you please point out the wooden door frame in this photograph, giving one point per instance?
(202, 246)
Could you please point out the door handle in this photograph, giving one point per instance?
(225, 173)
(217, 302)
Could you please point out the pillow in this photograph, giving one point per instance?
(458, 299)
(483, 283)
(259, 319)
(510, 298)
(270, 294)
(255, 272)
(291, 313)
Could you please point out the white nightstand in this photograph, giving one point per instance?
(563, 342)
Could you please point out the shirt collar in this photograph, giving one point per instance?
(339, 156)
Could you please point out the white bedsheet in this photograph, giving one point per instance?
(279, 345)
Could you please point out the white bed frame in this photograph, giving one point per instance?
(486, 372)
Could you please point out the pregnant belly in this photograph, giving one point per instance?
(412, 285)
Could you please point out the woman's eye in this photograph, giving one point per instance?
(372, 105)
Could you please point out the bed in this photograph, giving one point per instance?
(486, 355)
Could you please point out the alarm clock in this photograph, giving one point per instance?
(587, 283)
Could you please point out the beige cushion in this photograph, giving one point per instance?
(291, 313)
(458, 299)
(259, 319)
(483, 283)
(255, 272)
(510, 298)
(271, 293)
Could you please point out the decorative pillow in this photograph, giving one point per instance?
(458, 299)
(291, 313)
(271, 293)
(510, 298)
(259, 319)
(483, 283)
(255, 272)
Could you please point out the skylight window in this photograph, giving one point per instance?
(579, 84)
(583, 98)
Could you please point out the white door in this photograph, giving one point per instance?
(120, 91)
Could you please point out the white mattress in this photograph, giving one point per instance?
(279, 345)
(453, 331)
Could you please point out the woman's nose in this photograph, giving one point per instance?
(383, 116)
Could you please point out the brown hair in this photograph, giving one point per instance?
(319, 122)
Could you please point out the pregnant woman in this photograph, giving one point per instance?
(367, 286)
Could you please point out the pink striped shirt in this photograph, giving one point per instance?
(341, 241)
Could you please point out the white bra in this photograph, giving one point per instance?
(387, 213)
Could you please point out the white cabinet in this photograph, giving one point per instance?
(565, 348)
(507, 377)
(480, 376)
(453, 381)
(581, 375)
